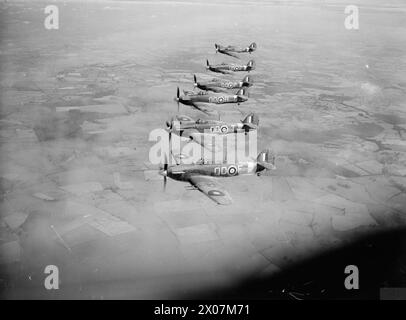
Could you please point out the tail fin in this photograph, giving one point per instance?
(207, 64)
(243, 92)
(247, 81)
(252, 47)
(250, 122)
(251, 65)
(194, 80)
(217, 47)
(252, 118)
(265, 161)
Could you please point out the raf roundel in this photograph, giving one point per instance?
(220, 99)
(224, 129)
(232, 170)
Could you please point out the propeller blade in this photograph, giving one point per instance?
(165, 171)
(166, 160)
(177, 97)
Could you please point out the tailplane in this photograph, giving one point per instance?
(247, 81)
(250, 122)
(265, 161)
(243, 92)
(251, 65)
(252, 47)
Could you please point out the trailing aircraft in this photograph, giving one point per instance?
(231, 50)
(219, 85)
(181, 123)
(202, 99)
(226, 68)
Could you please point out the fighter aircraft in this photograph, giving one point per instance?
(202, 131)
(231, 50)
(200, 99)
(181, 123)
(225, 68)
(202, 176)
(218, 85)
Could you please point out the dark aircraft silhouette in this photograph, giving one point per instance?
(181, 123)
(231, 50)
(202, 99)
(202, 175)
(218, 85)
(228, 68)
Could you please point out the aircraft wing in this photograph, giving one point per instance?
(221, 71)
(224, 71)
(202, 106)
(252, 126)
(207, 141)
(182, 117)
(230, 54)
(211, 188)
(216, 89)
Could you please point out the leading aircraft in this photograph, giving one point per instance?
(231, 50)
(203, 176)
(219, 85)
(225, 68)
(201, 99)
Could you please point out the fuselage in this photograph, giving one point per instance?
(229, 67)
(208, 126)
(209, 98)
(221, 84)
(182, 172)
(233, 49)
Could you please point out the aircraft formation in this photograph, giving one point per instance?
(203, 175)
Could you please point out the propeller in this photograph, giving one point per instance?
(169, 125)
(195, 81)
(164, 171)
(177, 97)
